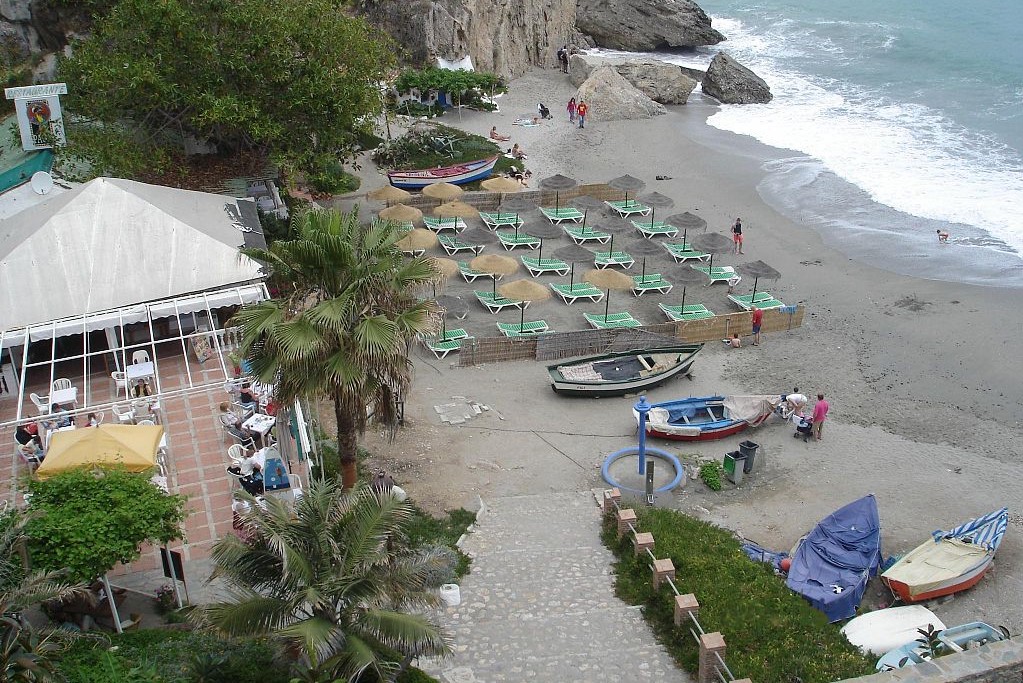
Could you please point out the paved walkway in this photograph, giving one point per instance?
(540, 604)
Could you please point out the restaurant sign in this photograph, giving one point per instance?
(39, 117)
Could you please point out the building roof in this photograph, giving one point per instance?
(111, 243)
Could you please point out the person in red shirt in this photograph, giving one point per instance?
(758, 318)
(580, 111)
(820, 411)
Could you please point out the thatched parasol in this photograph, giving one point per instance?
(444, 267)
(401, 213)
(524, 290)
(626, 183)
(644, 248)
(545, 231)
(501, 185)
(757, 270)
(558, 183)
(587, 203)
(418, 239)
(456, 210)
(443, 191)
(687, 221)
(656, 200)
(517, 205)
(713, 243)
(389, 193)
(450, 305)
(688, 276)
(495, 265)
(608, 279)
(573, 254)
(478, 237)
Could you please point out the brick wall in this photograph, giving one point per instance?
(1000, 662)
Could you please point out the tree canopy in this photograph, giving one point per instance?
(446, 80)
(89, 520)
(295, 79)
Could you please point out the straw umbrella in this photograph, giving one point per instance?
(687, 221)
(627, 183)
(656, 200)
(516, 205)
(456, 210)
(644, 248)
(417, 239)
(587, 203)
(614, 226)
(443, 191)
(495, 265)
(713, 243)
(757, 270)
(573, 254)
(478, 237)
(450, 305)
(501, 185)
(444, 267)
(608, 279)
(559, 183)
(688, 276)
(524, 290)
(389, 193)
(543, 231)
(401, 213)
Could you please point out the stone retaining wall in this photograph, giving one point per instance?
(1000, 662)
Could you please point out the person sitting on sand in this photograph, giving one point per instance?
(517, 152)
(494, 135)
(734, 342)
(943, 236)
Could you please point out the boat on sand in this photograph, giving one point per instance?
(703, 418)
(955, 639)
(884, 630)
(624, 372)
(458, 174)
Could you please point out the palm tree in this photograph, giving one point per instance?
(25, 654)
(343, 327)
(331, 580)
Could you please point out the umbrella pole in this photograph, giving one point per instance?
(522, 317)
(607, 302)
(585, 214)
(557, 202)
(571, 278)
(753, 297)
(611, 248)
(493, 276)
(642, 278)
(710, 266)
(653, 210)
(683, 300)
(539, 257)
(685, 231)
(444, 327)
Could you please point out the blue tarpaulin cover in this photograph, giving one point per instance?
(834, 562)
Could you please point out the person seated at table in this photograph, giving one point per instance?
(92, 420)
(61, 417)
(25, 435)
(248, 397)
(233, 425)
(494, 135)
(141, 388)
(253, 481)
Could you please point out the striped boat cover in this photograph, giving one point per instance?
(986, 531)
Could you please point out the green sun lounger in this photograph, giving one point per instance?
(579, 290)
(529, 328)
(651, 282)
(764, 301)
(627, 208)
(538, 267)
(470, 274)
(688, 312)
(510, 240)
(683, 252)
(501, 220)
(453, 245)
(612, 321)
(588, 234)
(442, 347)
(605, 259)
(722, 274)
(495, 302)
(655, 229)
(403, 226)
(562, 214)
(438, 224)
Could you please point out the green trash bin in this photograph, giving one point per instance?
(733, 466)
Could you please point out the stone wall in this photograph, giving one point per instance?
(1000, 662)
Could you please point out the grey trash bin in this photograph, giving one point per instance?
(748, 450)
(733, 466)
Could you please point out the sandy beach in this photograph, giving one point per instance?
(922, 374)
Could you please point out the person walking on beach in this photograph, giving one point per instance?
(737, 235)
(757, 319)
(581, 113)
(820, 412)
(571, 110)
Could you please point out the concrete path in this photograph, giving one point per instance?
(539, 603)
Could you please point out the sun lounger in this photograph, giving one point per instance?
(581, 235)
(612, 321)
(403, 226)
(510, 240)
(722, 274)
(414, 253)
(470, 274)
(529, 328)
(683, 252)
(764, 301)
(656, 229)
(626, 209)
(690, 312)
(438, 224)
(501, 220)
(453, 245)
(495, 302)
(604, 259)
(442, 347)
(562, 214)
(538, 267)
(651, 282)
(579, 290)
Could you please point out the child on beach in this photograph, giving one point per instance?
(571, 110)
(943, 236)
(734, 342)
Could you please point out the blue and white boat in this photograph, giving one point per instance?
(459, 174)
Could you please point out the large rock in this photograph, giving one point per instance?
(731, 83)
(506, 38)
(612, 98)
(660, 81)
(644, 25)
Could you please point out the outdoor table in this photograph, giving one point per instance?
(275, 476)
(259, 423)
(63, 397)
(139, 370)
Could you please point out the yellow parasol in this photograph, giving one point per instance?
(416, 240)
(132, 447)
(496, 266)
(443, 191)
(389, 193)
(501, 185)
(608, 279)
(524, 290)
(401, 213)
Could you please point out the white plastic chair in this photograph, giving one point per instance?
(29, 455)
(236, 453)
(124, 415)
(146, 423)
(140, 356)
(120, 383)
(61, 383)
(41, 402)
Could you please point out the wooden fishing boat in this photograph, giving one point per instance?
(459, 174)
(951, 561)
(617, 374)
(955, 639)
(883, 630)
(704, 418)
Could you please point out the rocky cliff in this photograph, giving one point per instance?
(645, 24)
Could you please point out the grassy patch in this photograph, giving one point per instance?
(710, 473)
(425, 529)
(773, 635)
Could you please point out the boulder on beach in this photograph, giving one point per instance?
(730, 82)
(612, 98)
(644, 25)
(660, 81)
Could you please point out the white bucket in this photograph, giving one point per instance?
(450, 594)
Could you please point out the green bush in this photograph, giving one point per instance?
(414, 675)
(332, 178)
(773, 635)
(710, 473)
(425, 529)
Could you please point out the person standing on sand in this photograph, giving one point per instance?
(820, 412)
(737, 235)
(943, 236)
(571, 110)
(757, 319)
(581, 112)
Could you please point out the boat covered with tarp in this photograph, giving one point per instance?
(832, 565)
(703, 418)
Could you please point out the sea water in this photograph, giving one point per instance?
(898, 118)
